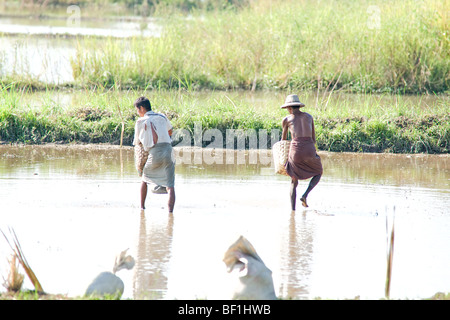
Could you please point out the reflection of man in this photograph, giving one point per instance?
(153, 257)
(303, 161)
(154, 131)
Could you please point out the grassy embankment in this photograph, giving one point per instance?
(370, 123)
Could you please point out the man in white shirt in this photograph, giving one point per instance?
(153, 130)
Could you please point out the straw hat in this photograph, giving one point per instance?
(292, 100)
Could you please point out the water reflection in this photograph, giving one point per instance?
(44, 52)
(69, 160)
(73, 20)
(429, 171)
(153, 256)
(297, 260)
(398, 170)
(41, 58)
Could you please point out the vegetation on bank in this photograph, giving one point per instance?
(369, 123)
(362, 46)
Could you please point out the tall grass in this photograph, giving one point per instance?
(362, 46)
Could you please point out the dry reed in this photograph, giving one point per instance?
(390, 256)
(17, 249)
(15, 279)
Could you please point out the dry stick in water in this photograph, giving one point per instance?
(326, 90)
(254, 82)
(123, 126)
(23, 261)
(328, 86)
(231, 101)
(318, 90)
(390, 257)
(332, 89)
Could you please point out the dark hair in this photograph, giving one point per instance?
(143, 102)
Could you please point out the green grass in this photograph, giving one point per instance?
(378, 46)
(344, 122)
(400, 47)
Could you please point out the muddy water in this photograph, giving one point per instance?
(75, 208)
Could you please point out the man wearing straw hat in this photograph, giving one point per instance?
(303, 161)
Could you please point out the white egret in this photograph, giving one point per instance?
(107, 283)
(255, 279)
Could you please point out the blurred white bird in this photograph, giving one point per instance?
(255, 279)
(107, 283)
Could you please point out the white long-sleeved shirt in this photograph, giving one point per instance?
(143, 131)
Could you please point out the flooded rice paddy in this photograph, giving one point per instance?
(75, 207)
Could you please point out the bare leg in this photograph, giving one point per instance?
(314, 181)
(143, 194)
(171, 202)
(294, 183)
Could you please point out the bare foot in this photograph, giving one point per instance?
(303, 200)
